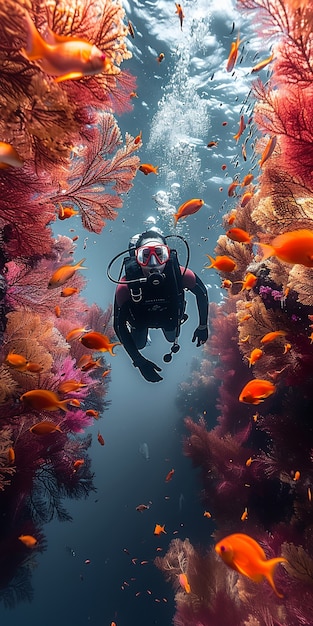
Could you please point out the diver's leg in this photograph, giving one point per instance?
(170, 335)
(139, 336)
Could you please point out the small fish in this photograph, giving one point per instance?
(66, 58)
(34, 368)
(207, 514)
(226, 284)
(158, 529)
(78, 463)
(246, 198)
(66, 212)
(180, 14)
(142, 507)
(43, 400)
(244, 516)
(232, 188)
(69, 291)
(247, 180)
(76, 333)
(137, 139)
(16, 361)
(249, 281)
(45, 428)
(262, 64)
(233, 54)
(273, 335)
(183, 581)
(268, 150)
(212, 144)
(255, 355)
(91, 365)
(100, 439)
(159, 59)
(92, 413)
(256, 390)
(11, 455)
(9, 157)
(99, 342)
(295, 246)
(148, 168)
(170, 475)
(57, 311)
(222, 263)
(131, 29)
(249, 461)
(188, 208)
(70, 385)
(232, 217)
(245, 555)
(239, 235)
(28, 540)
(242, 127)
(64, 273)
(297, 475)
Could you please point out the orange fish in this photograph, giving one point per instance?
(180, 14)
(188, 208)
(246, 198)
(100, 343)
(268, 150)
(159, 60)
(221, 262)
(183, 581)
(9, 156)
(66, 212)
(28, 540)
(57, 311)
(131, 29)
(74, 402)
(69, 291)
(78, 463)
(100, 439)
(43, 400)
(239, 235)
(158, 529)
(64, 273)
(232, 217)
(256, 390)
(247, 180)
(11, 455)
(273, 335)
(33, 367)
(226, 284)
(67, 58)
(242, 127)
(137, 139)
(232, 188)
(207, 514)
(45, 428)
(262, 64)
(170, 475)
(76, 333)
(245, 555)
(70, 385)
(295, 246)
(92, 413)
(148, 168)
(91, 365)
(16, 361)
(255, 355)
(212, 144)
(233, 54)
(249, 281)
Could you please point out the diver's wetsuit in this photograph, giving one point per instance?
(133, 319)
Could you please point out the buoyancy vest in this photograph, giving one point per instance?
(156, 305)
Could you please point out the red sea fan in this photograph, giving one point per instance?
(95, 182)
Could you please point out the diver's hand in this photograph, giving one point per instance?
(148, 370)
(201, 334)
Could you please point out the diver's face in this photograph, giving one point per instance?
(153, 266)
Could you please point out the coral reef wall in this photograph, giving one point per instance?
(61, 154)
(256, 459)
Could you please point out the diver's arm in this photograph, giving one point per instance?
(122, 332)
(148, 369)
(201, 294)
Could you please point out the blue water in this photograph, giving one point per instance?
(181, 105)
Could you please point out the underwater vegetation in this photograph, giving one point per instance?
(61, 154)
(256, 457)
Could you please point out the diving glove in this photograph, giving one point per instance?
(201, 334)
(148, 369)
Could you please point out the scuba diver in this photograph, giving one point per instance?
(151, 295)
